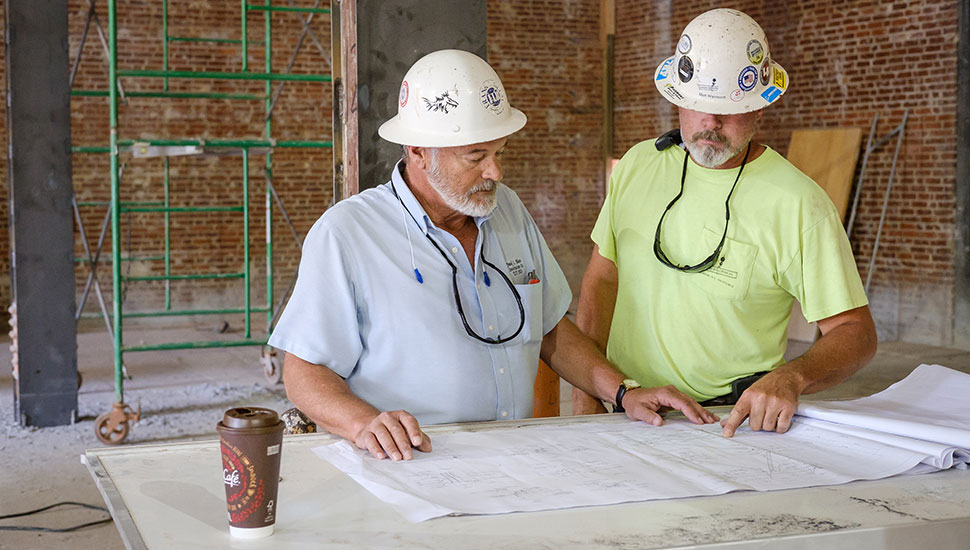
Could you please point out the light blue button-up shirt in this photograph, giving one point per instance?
(359, 309)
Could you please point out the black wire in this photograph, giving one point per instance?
(49, 529)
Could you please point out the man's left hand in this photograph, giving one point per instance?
(768, 404)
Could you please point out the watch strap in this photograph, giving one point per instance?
(620, 392)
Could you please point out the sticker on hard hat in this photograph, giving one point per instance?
(748, 78)
(737, 95)
(404, 93)
(442, 103)
(664, 71)
(684, 45)
(771, 94)
(672, 92)
(492, 97)
(779, 79)
(711, 96)
(685, 69)
(755, 52)
(765, 72)
(707, 86)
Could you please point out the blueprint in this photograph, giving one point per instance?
(544, 467)
(932, 403)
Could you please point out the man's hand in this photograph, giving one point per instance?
(392, 434)
(646, 403)
(768, 404)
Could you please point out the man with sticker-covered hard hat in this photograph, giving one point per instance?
(430, 298)
(706, 238)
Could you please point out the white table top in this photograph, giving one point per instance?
(172, 497)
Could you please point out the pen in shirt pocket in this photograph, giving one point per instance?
(533, 278)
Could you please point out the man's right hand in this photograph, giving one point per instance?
(392, 434)
(646, 404)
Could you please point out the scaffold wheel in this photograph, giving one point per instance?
(108, 432)
(111, 428)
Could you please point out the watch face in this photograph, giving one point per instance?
(630, 383)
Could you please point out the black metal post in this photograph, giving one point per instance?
(41, 223)
(391, 36)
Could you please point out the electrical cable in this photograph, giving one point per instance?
(49, 529)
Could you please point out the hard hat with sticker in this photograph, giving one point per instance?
(451, 98)
(729, 69)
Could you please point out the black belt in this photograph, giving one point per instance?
(737, 388)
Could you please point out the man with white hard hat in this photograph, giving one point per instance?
(430, 298)
(700, 250)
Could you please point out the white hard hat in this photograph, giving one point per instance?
(451, 98)
(722, 66)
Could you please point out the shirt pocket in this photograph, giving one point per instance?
(531, 296)
(731, 274)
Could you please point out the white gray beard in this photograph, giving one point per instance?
(463, 202)
(709, 157)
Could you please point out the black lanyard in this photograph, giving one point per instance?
(454, 284)
(711, 260)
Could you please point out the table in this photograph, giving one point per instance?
(172, 497)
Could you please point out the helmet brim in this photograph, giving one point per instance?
(672, 90)
(395, 131)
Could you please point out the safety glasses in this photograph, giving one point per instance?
(454, 283)
(461, 311)
(711, 260)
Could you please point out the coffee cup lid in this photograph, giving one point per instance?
(249, 417)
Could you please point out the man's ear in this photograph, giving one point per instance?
(421, 156)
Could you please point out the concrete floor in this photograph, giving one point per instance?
(182, 395)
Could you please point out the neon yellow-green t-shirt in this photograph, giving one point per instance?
(700, 331)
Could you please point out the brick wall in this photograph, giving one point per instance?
(848, 61)
(201, 243)
(548, 55)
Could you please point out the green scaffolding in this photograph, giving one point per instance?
(112, 427)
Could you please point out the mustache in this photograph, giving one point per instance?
(487, 185)
(709, 135)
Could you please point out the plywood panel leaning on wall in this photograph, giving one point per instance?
(829, 157)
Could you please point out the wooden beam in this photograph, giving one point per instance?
(347, 104)
(961, 245)
(607, 35)
(545, 402)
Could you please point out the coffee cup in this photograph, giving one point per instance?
(251, 439)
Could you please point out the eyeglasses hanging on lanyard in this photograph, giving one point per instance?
(454, 284)
(711, 260)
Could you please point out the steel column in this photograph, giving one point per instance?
(41, 214)
(391, 36)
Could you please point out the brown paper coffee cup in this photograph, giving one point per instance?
(251, 439)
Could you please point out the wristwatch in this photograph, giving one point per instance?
(625, 386)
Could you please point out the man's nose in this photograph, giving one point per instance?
(493, 169)
(711, 122)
